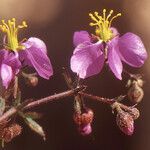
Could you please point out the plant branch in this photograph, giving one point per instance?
(97, 98)
(31, 104)
(28, 104)
(106, 100)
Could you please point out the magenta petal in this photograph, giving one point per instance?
(87, 60)
(80, 37)
(9, 66)
(13, 61)
(34, 55)
(114, 61)
(6, 74)
(132, 50)
(85, 129)
(114, 31)
(38, 43)
(3, 55)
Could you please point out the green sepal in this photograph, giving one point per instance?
(2, 105)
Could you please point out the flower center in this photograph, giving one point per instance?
(103, 24)
(11, 30)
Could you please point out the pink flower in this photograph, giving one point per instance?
(32, 52)
(90, 56)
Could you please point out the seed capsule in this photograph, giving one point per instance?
(125, 122)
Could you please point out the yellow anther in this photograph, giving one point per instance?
(96, 13)
(103, 24)
(98, 16)
(13, 19)
(93, 17)
(104, 11)
(11, 30)
(92, 24)
(24, 23)
(118, 15)
(111, 12)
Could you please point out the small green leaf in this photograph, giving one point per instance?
(2, 143)
(17, 100)
(2, 105)
(33, 115)
(35, 126)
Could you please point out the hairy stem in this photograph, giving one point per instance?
(28, 104)
(105, 100)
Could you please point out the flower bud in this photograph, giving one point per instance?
(11, 132)
(135, 93)
(32, 81)
(140, 82)
(125, 122)
(134, 113)
(3, 124)
(83, 121)
(85, 129)
(84, 118)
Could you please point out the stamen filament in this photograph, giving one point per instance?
(11, 30)
(103, 24)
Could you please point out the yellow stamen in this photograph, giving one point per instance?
(11, 30)
(103, 24)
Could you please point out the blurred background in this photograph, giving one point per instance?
(55, 21)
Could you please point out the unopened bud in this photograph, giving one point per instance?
(84, 118)
(125, 122)
(140, 82)
(135, 93)
(32, 81)
(83, 121)
(2, 126)
(85, 129)
(11, 132)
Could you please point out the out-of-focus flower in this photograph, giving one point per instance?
(135, 91)
(9, 67)
(31, 52)
(89, 56)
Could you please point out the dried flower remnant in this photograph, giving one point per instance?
(31, 79)
(83, 121)
(135, 91)
(89, 57)
(31, 52)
